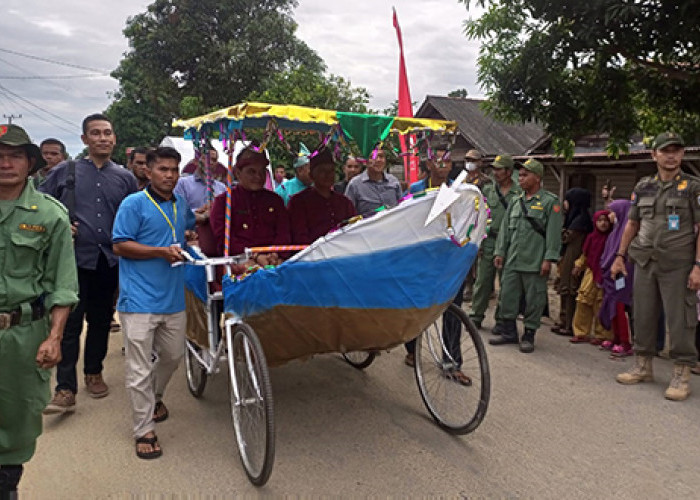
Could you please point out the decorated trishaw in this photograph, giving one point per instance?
(368, 286)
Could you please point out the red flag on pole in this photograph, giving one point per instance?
(410, 163)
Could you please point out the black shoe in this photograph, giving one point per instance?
(503, 339)
(527, 343)
(499, 329)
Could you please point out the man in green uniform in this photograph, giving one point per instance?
(662, 241)
(37, 274)
(528, 242)
(498, 196)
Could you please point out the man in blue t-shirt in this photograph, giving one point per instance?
(149, 232)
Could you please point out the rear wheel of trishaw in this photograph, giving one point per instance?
(251, 402)
(195, 372)
(359, 359)
(457, 408)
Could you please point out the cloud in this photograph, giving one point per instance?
(356, 39)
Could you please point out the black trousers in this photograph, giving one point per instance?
(451, 332)
(96, 304)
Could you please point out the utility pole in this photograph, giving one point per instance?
(9, 118)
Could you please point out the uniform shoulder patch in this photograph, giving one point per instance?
(556, 208)
(55, 202)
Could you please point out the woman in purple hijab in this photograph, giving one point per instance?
(612, 313)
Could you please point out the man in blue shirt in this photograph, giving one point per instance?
(149, 236)
(302, 177)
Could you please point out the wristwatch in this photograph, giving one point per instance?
(624, 257)
(697, 263)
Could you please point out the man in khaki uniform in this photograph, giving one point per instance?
(661, 238)
(528, 242)
(37, 274)
(498, 196)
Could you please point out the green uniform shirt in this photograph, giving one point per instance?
(490, 192)
(524, 248)
(660, 207)
(36, 252)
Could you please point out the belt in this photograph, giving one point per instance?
(13, 318)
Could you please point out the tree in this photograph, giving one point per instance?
(602, 66)
(195, 56)
(305, 87)
(458, 93)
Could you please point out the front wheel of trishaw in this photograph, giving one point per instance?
(359, 359)
(251, 402)
(456, 407)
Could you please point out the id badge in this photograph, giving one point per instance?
(674, 222)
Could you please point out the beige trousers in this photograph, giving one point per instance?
(154, 345)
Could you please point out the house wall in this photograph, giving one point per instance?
(593, 178)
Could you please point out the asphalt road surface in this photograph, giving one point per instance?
(558, 426)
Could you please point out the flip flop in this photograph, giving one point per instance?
(148, 455)
(161, 412)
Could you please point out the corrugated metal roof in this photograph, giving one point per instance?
(491, 137)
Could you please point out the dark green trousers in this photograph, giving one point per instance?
(530, 285)
(485, 275)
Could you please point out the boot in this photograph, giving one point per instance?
(499, 328)
(640, 372)
(509, 334)
(527, 343)
(679, 388)
(570, 309)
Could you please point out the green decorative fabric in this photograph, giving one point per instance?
(366, 130)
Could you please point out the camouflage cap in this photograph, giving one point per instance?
(473, 154)
(14, 135)
(667, 139)
(533, 166)
(503, 161)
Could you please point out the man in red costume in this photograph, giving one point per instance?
(315, 211)
(258, 216)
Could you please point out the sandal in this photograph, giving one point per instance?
(695, 370)
(596, 341)
(152, 442)
(578, 340)
(620, 351)
(161, 412)
(459, 377)
(607, 345)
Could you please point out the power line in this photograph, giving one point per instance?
(9, 94)
(23, 70)
(51, 61)
(26, 108)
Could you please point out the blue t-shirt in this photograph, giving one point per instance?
(422, 185)
(151, 285)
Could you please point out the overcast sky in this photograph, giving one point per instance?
(355, 38)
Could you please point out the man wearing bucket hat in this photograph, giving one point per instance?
(529, 240)
(302, 177)
(39, 276)
(661, 239)
(498, 196)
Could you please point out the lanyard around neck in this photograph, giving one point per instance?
(167, 219)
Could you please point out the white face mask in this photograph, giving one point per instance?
(470, 166)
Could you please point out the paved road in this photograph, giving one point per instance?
(558, 427)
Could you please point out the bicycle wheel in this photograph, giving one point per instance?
(456, 407)
(251, 403)
(359, 359)
(195, 372)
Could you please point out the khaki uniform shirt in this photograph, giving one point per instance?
(36, 252)
(524, 248)
(490, 192)
(655, 205)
